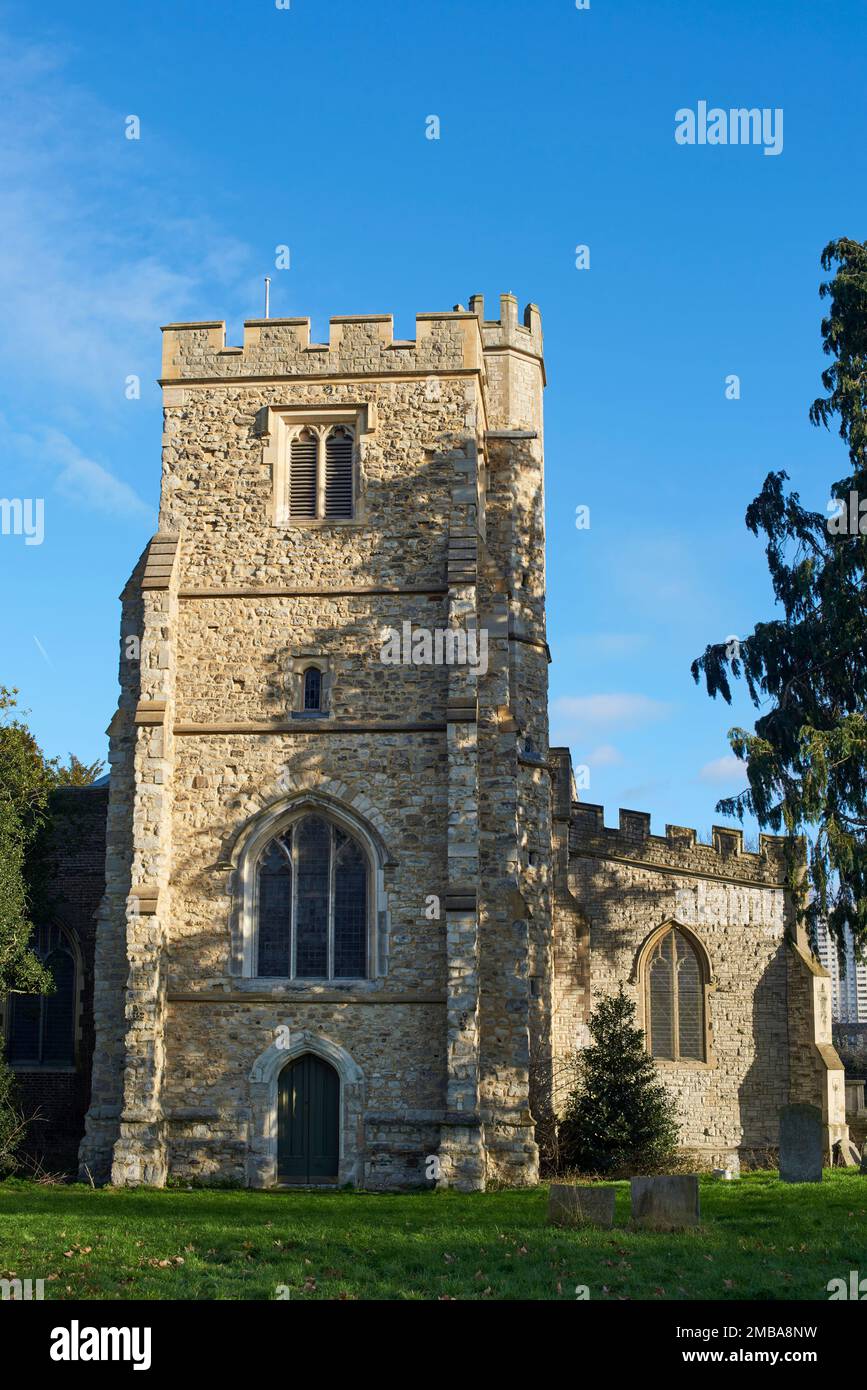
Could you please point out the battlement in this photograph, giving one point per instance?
(358, 344)
(679, 848)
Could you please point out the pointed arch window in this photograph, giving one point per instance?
(313, 903)
(675, 977)
(41, 1027)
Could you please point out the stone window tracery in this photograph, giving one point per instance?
(312, 903)
(675, 976)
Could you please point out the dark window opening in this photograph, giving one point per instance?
(41, 1031)
(312, 688)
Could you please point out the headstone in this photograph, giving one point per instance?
(864, 1159)
(801, 1143)
(723, 1174)
(846, 1154)
(569, 1205)
(666, 1203)
(854, 1097)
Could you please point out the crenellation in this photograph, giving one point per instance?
(680, 847)
(358, 345)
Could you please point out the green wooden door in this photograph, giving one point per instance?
(308, 1121)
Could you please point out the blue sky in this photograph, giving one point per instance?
(306, 127)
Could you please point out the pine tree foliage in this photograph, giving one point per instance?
(806, 760)
(619, 1118)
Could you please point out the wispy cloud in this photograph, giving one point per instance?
(620, 710)
(87, 483)
(57, 460)
(606, 755)
(82, 289)
(725, 770)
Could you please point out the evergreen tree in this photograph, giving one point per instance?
(618, 1117)
(806, 761)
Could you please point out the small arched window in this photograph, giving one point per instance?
(313, 688)
(312, 903)
(674, 1007)
(41, 1028)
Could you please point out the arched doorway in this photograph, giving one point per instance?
(308, 1121)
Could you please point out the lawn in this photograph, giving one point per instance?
(760, 1239)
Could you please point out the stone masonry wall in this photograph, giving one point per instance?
(629, 883)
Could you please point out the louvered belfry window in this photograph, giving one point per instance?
(338, 473)
(321, 474)
(675, 999)
(312, 904)
(303, 476)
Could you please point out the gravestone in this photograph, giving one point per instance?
(569, 1205)
(864, 1160)
(801, 1143)
(666, 1203)
(846, 1154)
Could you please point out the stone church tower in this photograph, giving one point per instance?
(334, 675)
(354, 915)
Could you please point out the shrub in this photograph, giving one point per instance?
(618, 1117)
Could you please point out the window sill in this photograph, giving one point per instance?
(688, 1063)
(318, 523)
(280, 986)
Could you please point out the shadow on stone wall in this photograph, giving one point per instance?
(765, 1086)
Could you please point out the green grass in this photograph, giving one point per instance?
(759, 1239)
